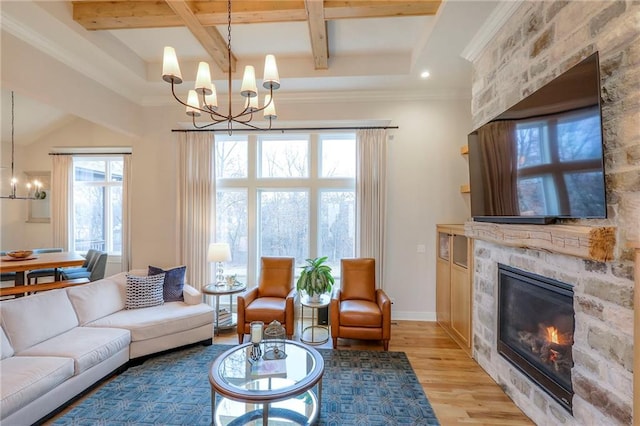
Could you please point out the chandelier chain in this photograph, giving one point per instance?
(12, 132)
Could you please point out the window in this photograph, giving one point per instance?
(97, 204)
(285, 195)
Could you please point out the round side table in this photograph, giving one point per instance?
(218, 290)
(314, 334)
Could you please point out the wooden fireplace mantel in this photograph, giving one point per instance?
(587, 242)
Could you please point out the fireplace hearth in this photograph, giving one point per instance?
(535, 329)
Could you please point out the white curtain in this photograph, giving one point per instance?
(196, 204)
(371, 199)
(60, 193)
(126, 214)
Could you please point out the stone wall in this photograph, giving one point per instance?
(540, 41)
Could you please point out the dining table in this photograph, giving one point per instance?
(39, 261)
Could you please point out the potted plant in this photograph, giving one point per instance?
(316, 278)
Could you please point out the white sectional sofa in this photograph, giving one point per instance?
(58, 343)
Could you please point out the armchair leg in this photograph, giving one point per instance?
(385, 343)
(335, 342)
(240, 338)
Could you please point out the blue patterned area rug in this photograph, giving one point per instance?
(358, 388)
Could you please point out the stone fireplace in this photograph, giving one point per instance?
(534, 43)
(602, 351)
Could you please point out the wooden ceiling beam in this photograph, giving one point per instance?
(121, 14)
(318, 34)
(209, 37)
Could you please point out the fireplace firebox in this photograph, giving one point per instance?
(535, 329)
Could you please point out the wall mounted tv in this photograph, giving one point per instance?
(542, 159)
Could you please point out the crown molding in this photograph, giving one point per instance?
(343, 97)
(500, 15)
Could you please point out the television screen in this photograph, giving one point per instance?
(542, 159)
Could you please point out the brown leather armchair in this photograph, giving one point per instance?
(358, 309)
(272, 299)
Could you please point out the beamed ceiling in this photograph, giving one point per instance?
(200, 17)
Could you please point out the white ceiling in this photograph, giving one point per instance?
(365, 55)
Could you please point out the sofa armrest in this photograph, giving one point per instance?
(191, 295)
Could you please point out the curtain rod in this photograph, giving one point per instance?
(91, 154)
(286, 129)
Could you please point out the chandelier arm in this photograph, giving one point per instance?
(265, 106)
(204, 126)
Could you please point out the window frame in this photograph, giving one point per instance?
(314, 184)
(107, 184)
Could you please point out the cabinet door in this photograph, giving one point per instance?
(443, 276)
(461, 304)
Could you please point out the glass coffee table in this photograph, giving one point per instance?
(267, 391)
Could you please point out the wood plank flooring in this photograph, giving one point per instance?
(459, 390)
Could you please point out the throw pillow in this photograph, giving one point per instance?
(173, 282)
(143, 292)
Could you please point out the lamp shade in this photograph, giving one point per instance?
(219, 252)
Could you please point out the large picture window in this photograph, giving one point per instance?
(97, 204)
(285, 195)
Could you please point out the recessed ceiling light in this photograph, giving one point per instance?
(425, 74)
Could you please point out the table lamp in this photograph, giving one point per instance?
(219, 253)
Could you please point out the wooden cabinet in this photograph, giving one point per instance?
(454, 283)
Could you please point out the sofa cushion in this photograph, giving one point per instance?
(97, 299)
(157, 321)
(87, 346)
(173, 282)
(26, 378)
(7, 349)
(34, 319)
(144, 291)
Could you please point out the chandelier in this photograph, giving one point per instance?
(203, 98)
(37, 193)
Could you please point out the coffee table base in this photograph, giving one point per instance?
(300, 410)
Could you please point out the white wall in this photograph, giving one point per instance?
(425, 172)
(425, 167)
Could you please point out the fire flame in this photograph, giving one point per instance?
(552, 334)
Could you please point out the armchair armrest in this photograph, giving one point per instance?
(334, 311)
(243, 300)
(384, 303)
(191, 295)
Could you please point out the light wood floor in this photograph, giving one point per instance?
(459, 390)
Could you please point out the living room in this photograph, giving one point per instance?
(531, 44)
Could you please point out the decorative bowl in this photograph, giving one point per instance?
(20, 254)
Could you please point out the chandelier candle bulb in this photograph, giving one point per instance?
(203, 79)
(170, 67)
(249, 87)
(193, 104)
(270, 110)
(271, 78)
(212, 99)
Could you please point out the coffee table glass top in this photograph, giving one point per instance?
(233, 376)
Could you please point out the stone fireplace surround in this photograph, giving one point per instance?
(603, 343)
(527, 45)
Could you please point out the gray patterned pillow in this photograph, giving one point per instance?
(143, 292)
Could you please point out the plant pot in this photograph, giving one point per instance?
(315, 298)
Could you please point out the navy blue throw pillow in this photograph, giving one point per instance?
(173, 282)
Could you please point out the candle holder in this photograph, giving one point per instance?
(256, 353)
(255, 328)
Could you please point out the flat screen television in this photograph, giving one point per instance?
(542, 159)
